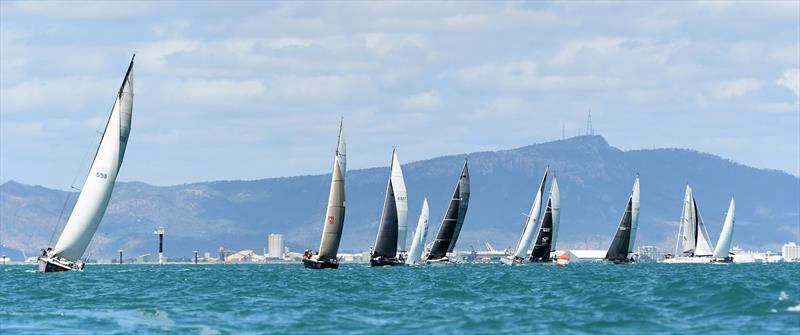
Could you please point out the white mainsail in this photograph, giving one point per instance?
(555, 203)
(635, 203)
(401, 201)
(418, 242)
(96, 191)
(530, 225)
(724, 242)
(693, 237)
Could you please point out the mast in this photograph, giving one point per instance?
(99, 184)
(456, 211)
(528, 236)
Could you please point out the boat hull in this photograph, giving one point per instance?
(57, 265)
(439, 262)
(688, 260)
(319, 265)
(384, 262)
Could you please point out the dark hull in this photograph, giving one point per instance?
(621, 261)
(318, 265)
(50, 266)
(385, 262)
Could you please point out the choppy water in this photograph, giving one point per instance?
(463, 299)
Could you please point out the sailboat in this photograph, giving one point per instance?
(395, 202)
(327, 258)
(622, 246)
(521, 252)
(96, 191)
(418, 242)
(693, 244)
(545, 240)
(453, 220)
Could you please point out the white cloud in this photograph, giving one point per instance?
(223, 92)
(738, 87)
(80, 9)
(791, 80)
(429, 100)
(524, 75)
(55, 94)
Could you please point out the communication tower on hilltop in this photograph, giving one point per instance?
(589, 128)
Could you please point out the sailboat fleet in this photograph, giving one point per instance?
(536, 244)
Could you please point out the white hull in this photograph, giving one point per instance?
(694, 260)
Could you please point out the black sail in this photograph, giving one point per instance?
(544, 238)
(618, 251)
(386, 243)
(453, 220)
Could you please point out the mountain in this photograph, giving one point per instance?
(595, 180)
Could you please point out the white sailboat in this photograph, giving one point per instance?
(693, 244)
(528, 232)
(96, 192)
(421, 233)
(334, 218)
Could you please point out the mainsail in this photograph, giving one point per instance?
(386, 242)
(418, 242)
(401, 202)
(530, 223)
(624, 239)
(334, 218)
(96, 191)
(724, 242)
(546, 237)
(447, 236)
(692, 235)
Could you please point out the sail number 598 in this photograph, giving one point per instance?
(101, 175)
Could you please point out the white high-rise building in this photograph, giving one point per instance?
(791, 252)
(275, 246)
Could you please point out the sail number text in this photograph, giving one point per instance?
(101, 175)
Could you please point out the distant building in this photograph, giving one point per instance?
(791, 252)
(275, 246)
(650, 254)
(585, 255)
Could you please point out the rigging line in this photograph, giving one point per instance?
(58, 223)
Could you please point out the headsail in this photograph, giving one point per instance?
(96, 192)
(544, 237)
(530, 223)
(334, 217)
(724, 243)
(703, 242)
(401, 202)
(450, 228)
(622, 244)
(418, 242)
(555, 196)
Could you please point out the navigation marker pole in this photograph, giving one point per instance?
(120, 256)
(195, 257)
(160, 232)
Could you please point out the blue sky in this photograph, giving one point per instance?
(254, 89)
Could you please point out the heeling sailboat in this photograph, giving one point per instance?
(421, 233)
(386, 243)
(622, 245)
(453, 220)
(545, 239)
(722, 251)
(521, 252)
(334, 217)
(97, 188)
(401, 202)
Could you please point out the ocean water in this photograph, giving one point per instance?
(460, 299)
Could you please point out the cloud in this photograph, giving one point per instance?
(738, 87)
(80, 9)
(53, 95)
(791, 80)
(524, 75)
(222, 92)
(429, 100)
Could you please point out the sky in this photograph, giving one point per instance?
(250, 90)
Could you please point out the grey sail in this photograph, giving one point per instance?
(544, 239)
(386, 242)
(450, 228)
(334, 217)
